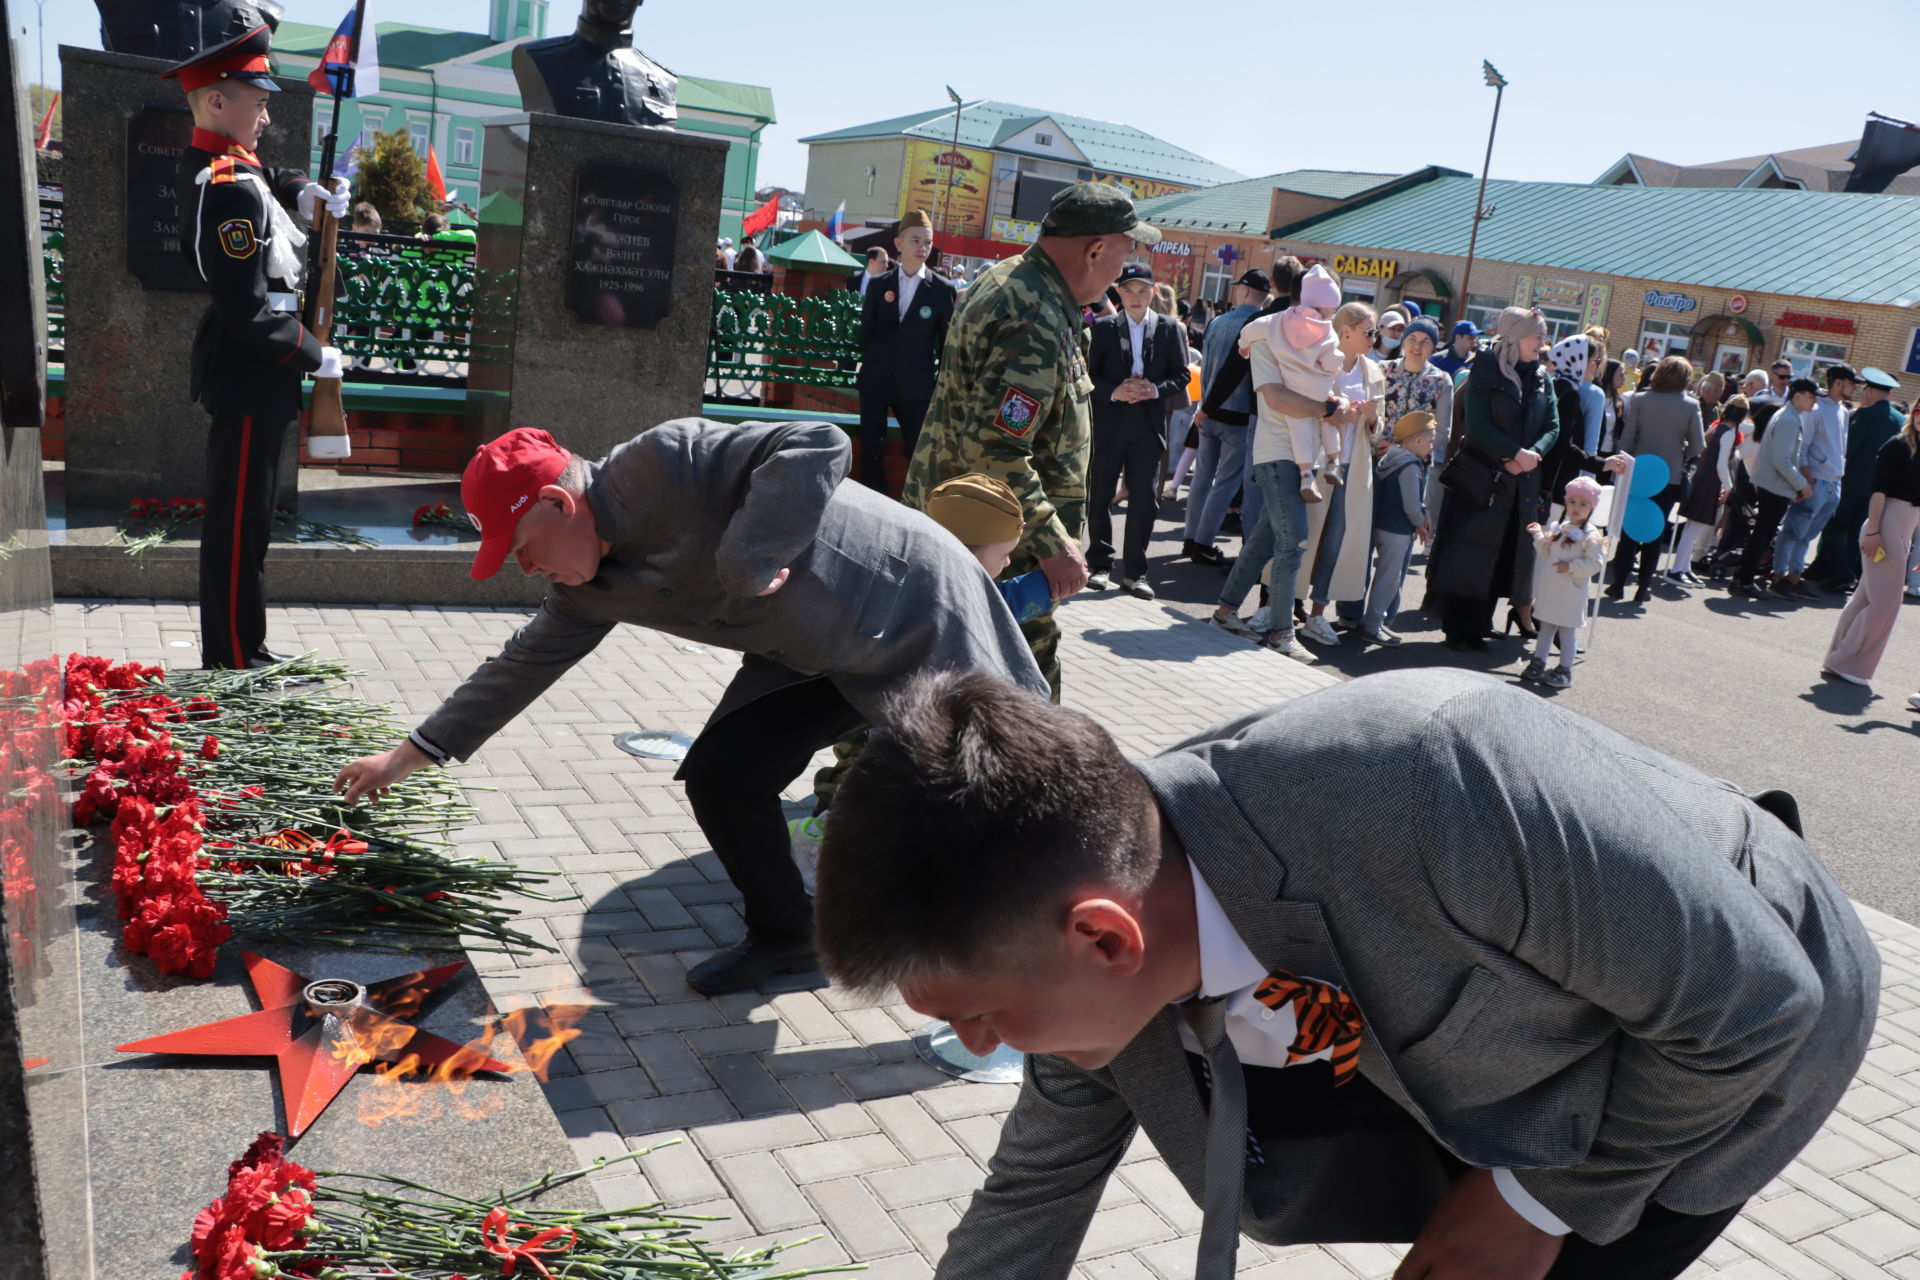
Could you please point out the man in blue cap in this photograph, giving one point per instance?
(251, 350)
(1459, 354)
(1874, 422)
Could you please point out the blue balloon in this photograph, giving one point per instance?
(1643, 522)
(1650, 476)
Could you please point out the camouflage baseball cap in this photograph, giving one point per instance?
(1095, 209)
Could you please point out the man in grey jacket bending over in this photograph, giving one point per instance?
(739, 537)
(1416, 958)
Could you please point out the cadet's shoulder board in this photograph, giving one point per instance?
(1017, 413)
(221, 169)
(237, 238)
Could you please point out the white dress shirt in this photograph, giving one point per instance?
(1138, 334)
(1261, 1036)
(867, 278)
(909, 285)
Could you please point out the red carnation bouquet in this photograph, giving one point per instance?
(218, 791)
(278, 1220)
(440, 515)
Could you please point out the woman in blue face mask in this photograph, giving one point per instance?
(1392, 326)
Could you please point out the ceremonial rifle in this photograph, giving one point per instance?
(327, 416)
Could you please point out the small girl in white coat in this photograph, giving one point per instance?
(1567, 556)
(1307, 352)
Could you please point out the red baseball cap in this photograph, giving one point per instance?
(500, 485)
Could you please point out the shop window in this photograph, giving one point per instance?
(1661, 338)
(1484, 310)
(1562, 322)
(1358, 289)
(1213, 285)
(1809, 357)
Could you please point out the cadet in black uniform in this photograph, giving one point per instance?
(903, 326)
(250, 351)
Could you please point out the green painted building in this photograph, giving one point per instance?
(442, 87)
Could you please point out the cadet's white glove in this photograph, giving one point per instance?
(313, 192)
(329, 363)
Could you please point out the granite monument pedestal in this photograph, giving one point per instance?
(43, 1132)
(133, 300)
(595, 259)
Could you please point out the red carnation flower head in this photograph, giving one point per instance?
(209, 747)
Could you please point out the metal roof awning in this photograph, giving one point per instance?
(1706, 324)
(1432, 277)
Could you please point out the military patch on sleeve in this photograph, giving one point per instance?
(236, 238)
(1017, 413)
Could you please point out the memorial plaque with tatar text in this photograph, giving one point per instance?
(624, 225)
(157, 139)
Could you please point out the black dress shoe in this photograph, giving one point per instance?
(1617, 591)
(748, 963)
(268, 658)
(1467, 644)
(1745, 590)
(1643, 594)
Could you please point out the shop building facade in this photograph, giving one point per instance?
(984, 172)
(1732, 279)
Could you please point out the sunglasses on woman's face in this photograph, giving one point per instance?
(1372, 334)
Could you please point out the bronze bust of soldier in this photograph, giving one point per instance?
(175, 30)
(596, 73)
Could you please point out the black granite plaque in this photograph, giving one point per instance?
(624, 222)
(157, 139)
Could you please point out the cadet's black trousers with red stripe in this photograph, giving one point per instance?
(243, 487)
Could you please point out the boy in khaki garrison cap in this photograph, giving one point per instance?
(986, 516)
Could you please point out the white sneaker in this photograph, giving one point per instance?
(1262, 619)
(1283, 642)
(1382, 636)
(1913, 700)
(1137, 588)
(1914, 592)
(1841, 675)
(806, 835)
(1319, 630)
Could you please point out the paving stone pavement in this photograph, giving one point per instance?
(803, 1111)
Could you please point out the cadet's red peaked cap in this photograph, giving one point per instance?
(242, 60)
(500, 486)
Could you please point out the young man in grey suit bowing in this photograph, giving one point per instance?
(744, 537)
(1417, 958)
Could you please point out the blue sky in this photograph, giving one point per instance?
(1587, 83)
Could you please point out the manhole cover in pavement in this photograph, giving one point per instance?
(653, 744)
(941, 1048)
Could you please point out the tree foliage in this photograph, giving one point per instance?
(393, 180)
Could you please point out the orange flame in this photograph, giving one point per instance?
(396, 1095)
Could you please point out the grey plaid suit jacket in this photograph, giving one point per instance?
(701, 515)
(1577, 958)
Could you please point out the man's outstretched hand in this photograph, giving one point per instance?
(1474, 1234)
(373, 775)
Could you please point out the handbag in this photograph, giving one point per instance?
(1471, 476)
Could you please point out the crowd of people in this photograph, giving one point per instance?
(1340, 438)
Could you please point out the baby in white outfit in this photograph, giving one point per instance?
(1303, 345)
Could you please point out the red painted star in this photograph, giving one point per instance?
(323, 1031)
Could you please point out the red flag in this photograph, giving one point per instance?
(760, 219)
(44, 134)
(436, 182)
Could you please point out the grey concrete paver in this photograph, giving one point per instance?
(804, 1107)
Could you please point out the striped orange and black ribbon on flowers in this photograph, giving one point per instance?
(1325, 1018)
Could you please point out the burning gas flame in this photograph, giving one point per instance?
(401, 1090)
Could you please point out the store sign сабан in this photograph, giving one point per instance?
(1819, 324)
(1678, 303)
(1347, 264)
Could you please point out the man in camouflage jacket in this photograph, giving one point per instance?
(1012, 395)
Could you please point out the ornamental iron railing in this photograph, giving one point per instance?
(760, 339)
(53, 261)
(404, 308)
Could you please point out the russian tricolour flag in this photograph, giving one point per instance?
(837, 223)
(339, 72)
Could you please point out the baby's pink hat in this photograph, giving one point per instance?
(1319, 288)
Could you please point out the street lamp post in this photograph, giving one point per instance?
(1499, 84)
